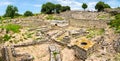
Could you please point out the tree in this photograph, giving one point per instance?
(100, 6)
(28, 13)
(48, 8)
(106, 6)
(57, 8)
(10, 11)
(84, 6)
(65, 8)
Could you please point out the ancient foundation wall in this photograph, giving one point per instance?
(89, 23)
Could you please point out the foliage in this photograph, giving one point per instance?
(58, 8)
(55, 53)
(28, 13)
(65, 8)
(100, 6)
(6, 37)
(52, 17)
(116, 23)
(117, 57)
(50, 8)
(10, 11)
(84, 6)
(118, 7)
(17, 14)
(11, 27)
(94, 32)
(0, 17)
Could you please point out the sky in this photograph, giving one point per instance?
(35, 5)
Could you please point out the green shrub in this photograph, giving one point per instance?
(11, 27)
(28, 13)
(116, 23)
(6, 37)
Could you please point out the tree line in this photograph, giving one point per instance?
(50, 8)
(100, 6)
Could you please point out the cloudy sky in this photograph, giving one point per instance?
(35, 5)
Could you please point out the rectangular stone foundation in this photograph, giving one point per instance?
(83, 48)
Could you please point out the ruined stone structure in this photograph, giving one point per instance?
(89, 23)
(117, 45)
(9, 54)
(75, 18)
(54, 53)
(112, 11)
(62, 36)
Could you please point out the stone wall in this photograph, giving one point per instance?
(89, 23)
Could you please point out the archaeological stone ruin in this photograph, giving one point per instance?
(77, 36)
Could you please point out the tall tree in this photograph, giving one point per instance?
(48, 8)
(57, 8)
(65, 8)
(84, 6)
(100, 6)
(10, 11)
(106, 6)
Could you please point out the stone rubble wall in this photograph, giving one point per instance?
(30, 43)
(9, 54)
(116, 45)
(89, 23)
(5, 55)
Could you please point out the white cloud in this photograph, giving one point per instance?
(5, 3)
(91, 5)
(72, 3)
(75, 5)
(37, 5)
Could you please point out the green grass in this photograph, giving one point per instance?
(117, 57)
(102, 17)
(55, 53)
(95, 32)
(6, 37)
(115, 23)
(52, 17)
(11, 27)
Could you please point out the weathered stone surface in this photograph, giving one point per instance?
(54, 53)
(116, 45)
(112, 11)
(80, 53)
(66, 39)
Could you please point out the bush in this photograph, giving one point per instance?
(11, 27)
(116, 23)
(6, 37)
(28, 13)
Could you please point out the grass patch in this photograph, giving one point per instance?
(6, 37)
(117, 57)
(115, 23)
(102, 17)
(95, 32)
(11, 27)
(52, 17)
